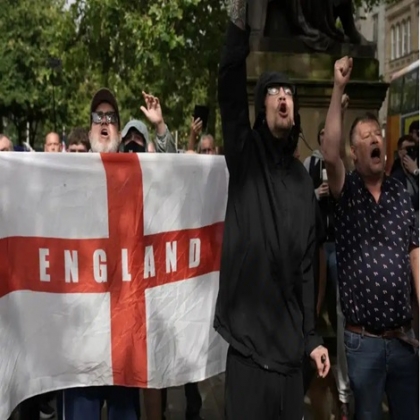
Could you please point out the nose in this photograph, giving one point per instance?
(282, 94)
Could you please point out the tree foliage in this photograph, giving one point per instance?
(55, 54)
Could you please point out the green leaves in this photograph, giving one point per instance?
(169, 48)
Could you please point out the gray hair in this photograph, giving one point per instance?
(206, 136)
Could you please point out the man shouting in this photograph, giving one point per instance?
(265, 307)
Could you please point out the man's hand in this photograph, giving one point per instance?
(342, 71)
(409, 164)
(323, 190)
(196, 127)
(344, 102)
(152, 110)
(322, 361)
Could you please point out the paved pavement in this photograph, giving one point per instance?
(212, 392)
(213, 402)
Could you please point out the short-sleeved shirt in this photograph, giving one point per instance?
(373, 242)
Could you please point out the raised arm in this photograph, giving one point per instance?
(233, 99)
(333, 134)
(164, 141)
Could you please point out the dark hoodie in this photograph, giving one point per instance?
(265, 308)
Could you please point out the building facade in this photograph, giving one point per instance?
(371, 24)
(394, 28)
(402, 35)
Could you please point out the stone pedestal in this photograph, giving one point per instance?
(313, 75)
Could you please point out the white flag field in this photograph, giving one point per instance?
(109, 269)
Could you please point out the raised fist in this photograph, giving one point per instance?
(342, 71)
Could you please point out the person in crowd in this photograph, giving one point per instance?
(316, 168)
(265, 307)
(206, 145)
(38, 406)
(6, 144)
(376, 236)
(164, 141)
(136, 139)
(78, 141)
(413, 131)
(408, 171)
(123, 403)
(52, 143)
(135, 135)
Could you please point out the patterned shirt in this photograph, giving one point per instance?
(373, 242)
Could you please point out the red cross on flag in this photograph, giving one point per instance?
(108, 270)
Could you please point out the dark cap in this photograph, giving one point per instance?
(101, 96)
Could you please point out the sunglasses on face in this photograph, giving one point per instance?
(275, 90)
(110, 117)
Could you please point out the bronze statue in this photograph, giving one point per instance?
(313, 21)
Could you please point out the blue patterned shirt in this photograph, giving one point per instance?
(373, 241)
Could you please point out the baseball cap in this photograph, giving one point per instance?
(101, 96)
(137, 125)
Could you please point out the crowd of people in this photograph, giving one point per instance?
(106, 135)
(289, 230)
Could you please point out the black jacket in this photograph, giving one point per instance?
(265, 307)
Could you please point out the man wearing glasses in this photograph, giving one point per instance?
(104, 134)
(122, 403)
(265, 308)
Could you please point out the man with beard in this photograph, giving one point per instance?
(376, 235)
(265, 308)
(104, 134)
(122, 403)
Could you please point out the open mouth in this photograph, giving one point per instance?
(375, 154)
(104, 132)
(283, 110)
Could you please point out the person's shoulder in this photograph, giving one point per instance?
(352, 181)
(395, 186)
(352, 185)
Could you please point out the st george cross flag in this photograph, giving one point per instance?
(108, 271)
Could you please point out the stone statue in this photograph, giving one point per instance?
(313, 21)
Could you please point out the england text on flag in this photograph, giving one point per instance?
(108, 271)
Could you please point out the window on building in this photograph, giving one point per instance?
(392, 43)
(398, 41)
(408, 30)
(375, 28)
(403, 38)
